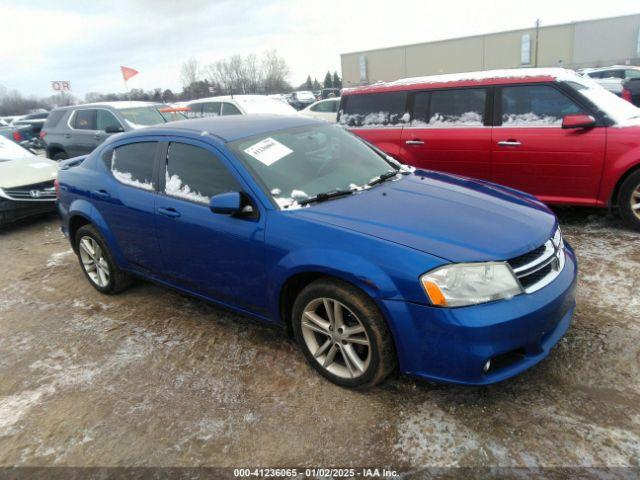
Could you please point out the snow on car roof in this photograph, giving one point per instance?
(117, 105)
(512, 74)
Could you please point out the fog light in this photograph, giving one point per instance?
(487, 366)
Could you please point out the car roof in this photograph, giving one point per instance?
(612, 67)
(229, 128)
(224, 97)
(480, 78)
(117, 105)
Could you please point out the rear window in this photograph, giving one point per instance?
(54, 118)
(374, 109)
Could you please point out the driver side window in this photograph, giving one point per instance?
(106, 119)
(535, 105)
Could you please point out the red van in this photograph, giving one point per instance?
(548, 132)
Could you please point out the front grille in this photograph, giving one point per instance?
(539, 267)
(35, 191)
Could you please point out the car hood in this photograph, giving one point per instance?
(455, 218)
(26, 171)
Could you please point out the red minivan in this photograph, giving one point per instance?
(548, 132)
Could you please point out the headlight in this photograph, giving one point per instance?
(462, 284)
(557, 239)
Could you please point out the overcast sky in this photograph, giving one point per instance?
(86, 42)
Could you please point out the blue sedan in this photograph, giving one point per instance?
(370, 264)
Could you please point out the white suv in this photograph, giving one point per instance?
(612, 77)
(236, 105)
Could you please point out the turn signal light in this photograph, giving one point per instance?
(435, 294)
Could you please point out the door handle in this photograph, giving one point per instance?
(97, 136)
(67, 135)
(509, 143)
(414, 142)
(101, 194)
(169, 212)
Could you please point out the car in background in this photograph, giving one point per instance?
(236, 105)
(34, 120)
(296, 222)
(631, 91)
(549, 132)
(324, 109)
(330, 92)
(301, 99)
(22, 135)
(26, 183)
(77, 130)
(611, 78)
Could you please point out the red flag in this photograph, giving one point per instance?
(127, 73)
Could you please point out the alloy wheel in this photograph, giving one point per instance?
(635, 202)
(336, 338)
(94, 262)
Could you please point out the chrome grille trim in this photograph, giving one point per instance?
(37, 192)
(552, 258)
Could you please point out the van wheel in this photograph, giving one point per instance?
(629, 200)
(60, 156)
(97, 262)
(343, 334)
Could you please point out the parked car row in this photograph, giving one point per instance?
(548, 132)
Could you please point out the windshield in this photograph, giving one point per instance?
(305, 96)
(264, 105)
(142, 116)
(619, 110)
(299, 163)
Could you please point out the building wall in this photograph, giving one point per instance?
(574, 45)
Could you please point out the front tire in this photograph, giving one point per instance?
(97, 262)
(343, 334)
(60, 156)
(629, 200)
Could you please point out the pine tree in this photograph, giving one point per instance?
(308, 85)
(337, 81)
(316, 84)
(328, 83)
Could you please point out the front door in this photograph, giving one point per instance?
(532, 152)
(447, 132)
(220, 256)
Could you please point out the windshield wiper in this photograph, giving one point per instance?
(321, 197)
(384, 177)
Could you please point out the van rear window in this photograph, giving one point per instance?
(374, 109)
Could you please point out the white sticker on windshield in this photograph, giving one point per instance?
(268, 151)
(39, 165)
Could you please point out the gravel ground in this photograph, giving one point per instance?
(153, 378)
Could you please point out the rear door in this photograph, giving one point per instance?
(532, 152)
(376, 117)
(449, 131)
(84, 135)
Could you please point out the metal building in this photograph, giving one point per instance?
(591, 43)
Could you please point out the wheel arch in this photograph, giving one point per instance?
(613, 199)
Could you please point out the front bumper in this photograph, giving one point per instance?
(12, 210)
(453, 344)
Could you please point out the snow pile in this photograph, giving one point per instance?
(529, 119)
(467, 119)
(174, 187)
(372, 120)
(127, 179)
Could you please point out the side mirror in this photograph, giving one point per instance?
(578, 121)
(113, 129)
(228, 203)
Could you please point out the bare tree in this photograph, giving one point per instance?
(189, 72)
(253, 73)
(276, 71)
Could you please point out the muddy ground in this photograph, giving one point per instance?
(153, 378)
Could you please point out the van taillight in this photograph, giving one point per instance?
(16, 136)
(43, 134)
(626, 94)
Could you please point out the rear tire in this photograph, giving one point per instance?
(60, 156)
(342, 334)
(97, 262)
(629, 200)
